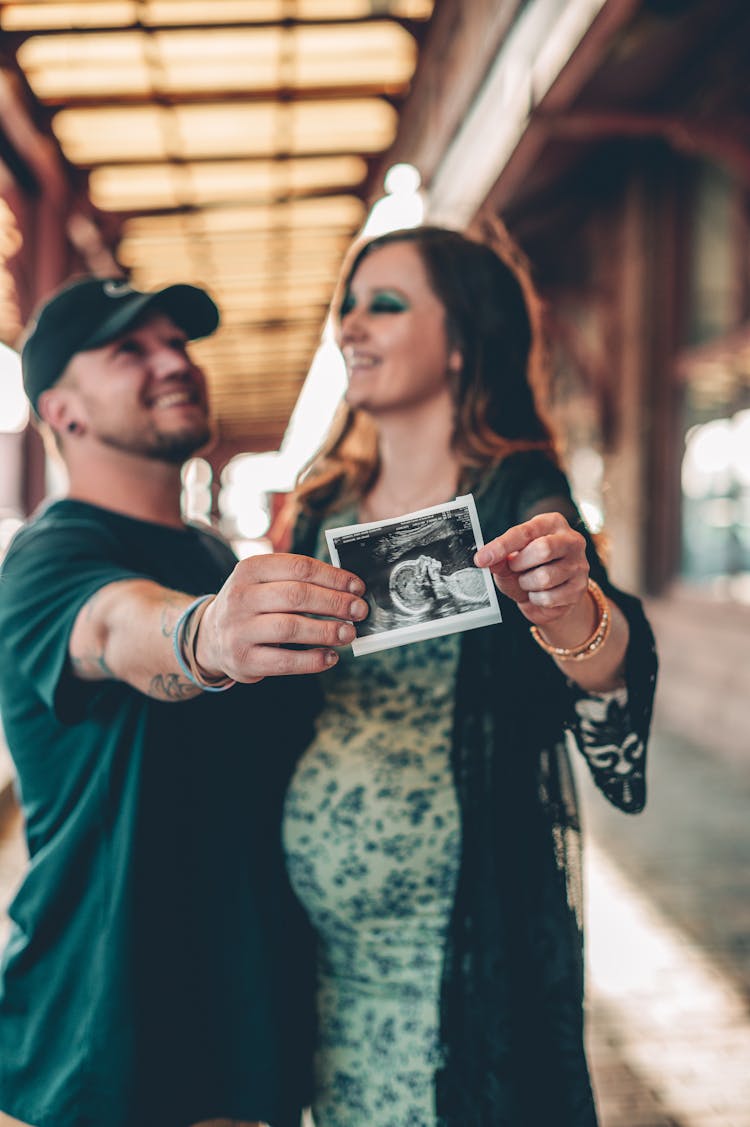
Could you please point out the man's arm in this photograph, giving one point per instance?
(125, 631)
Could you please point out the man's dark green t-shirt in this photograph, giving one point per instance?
(151, 977)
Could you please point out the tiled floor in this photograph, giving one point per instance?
(666, 1012)
(668, 944)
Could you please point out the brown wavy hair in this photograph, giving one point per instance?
(494, 318)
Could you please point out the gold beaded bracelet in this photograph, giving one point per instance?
(594, 642)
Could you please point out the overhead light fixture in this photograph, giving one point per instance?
(401, 206)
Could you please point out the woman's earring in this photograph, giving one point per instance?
(455, 361)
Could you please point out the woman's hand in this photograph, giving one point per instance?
(541, 565)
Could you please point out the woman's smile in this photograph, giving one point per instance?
(358, 362)
(393, 324)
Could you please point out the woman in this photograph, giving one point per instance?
(430, 829)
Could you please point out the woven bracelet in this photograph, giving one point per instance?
(184, 648)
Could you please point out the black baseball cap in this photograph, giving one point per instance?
(89, 312)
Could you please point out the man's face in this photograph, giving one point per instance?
(141, 393)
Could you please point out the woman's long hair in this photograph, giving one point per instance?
(493, 317)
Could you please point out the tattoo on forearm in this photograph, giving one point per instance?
(170, 612)
(92, 667)
(169, 686)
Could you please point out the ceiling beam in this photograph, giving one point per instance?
(17, 36)
(544, 62)
(32, 155)
(266, 201)
(727, 142)
(19, 169)
(246, 97)
(277, 156)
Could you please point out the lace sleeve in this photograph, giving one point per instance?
(611, 729)
(613, 749)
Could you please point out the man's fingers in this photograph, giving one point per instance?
(283, 566)
(296, 629)
(273, 661)
(290, 598)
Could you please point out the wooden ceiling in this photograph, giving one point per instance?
(233, 144)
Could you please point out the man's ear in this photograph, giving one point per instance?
(56, 409)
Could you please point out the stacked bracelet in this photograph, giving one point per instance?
(594, 642)
(184, 637)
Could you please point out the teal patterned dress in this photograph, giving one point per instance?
(372, 837)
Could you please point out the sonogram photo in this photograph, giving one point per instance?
(420, 576)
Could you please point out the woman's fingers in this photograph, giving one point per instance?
(495, 553)
(566, 547)
(553, 575)
(561, 597)
(540, 564)
(544, 537)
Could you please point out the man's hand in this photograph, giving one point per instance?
(270, 602)
(125, 631)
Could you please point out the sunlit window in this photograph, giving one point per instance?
(244, 501)
(716, 504)
(715, 467)
(14, 406)
(197, 476)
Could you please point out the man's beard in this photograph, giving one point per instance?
(172, 447)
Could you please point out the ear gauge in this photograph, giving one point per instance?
(72, 428)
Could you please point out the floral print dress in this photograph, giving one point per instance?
(372, 838)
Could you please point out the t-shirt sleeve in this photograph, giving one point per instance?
(48, 575)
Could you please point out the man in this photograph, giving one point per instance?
(151, 978)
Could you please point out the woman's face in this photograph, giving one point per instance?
(392, 334)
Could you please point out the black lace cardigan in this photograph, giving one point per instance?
(512, 988)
